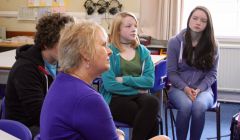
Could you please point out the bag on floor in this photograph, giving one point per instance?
(235, 127)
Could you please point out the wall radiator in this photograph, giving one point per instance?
(229, 68)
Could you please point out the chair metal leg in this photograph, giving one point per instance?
(160, 113)
(172, 123)
(165, 111)
(161, 126)
(160, 122)
(166, 119)
(218, 121)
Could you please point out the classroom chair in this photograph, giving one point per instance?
(159, 85)
(124, 125)
(160, 72)
(97, 82)
(37, 137)
(215, 108)
(16, 129)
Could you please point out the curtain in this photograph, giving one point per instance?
(160, 19)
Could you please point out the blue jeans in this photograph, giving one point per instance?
(188, 109)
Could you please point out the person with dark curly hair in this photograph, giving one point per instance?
(33, 72)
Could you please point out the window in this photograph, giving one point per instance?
(225, 15)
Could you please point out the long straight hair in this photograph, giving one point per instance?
(115, 30)
(204, 50)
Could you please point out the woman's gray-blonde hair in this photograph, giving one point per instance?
(77, 40)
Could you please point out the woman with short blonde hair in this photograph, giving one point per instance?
(73, 109)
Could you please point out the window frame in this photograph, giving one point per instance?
(188, 5)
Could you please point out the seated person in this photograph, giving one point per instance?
(131, 75)
(72, 108)
(192, 68)
(33, 72)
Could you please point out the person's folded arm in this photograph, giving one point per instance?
(111, 85)
(145, 80)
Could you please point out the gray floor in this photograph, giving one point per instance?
(230, 105)
(227, 111)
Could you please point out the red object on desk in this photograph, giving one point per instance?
(145, 40)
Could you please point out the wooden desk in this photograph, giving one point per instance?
(7, 59)
(157, 58)
(157, 49)
(11, 44)
(5, 46)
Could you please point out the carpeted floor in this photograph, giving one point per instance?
(230, 105)
(227, 112)
(209, 132)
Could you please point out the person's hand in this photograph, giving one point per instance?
(160, 137)
(120, 134)
(191, 93)
(119, 79)
(143, 91)
(197, 91)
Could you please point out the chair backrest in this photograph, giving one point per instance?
(160, 74)
(214, 90)
(2, 115)
(120, 124)
(37, 137)
(97, 81)
(16, 129)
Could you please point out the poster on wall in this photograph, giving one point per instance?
(44, 3)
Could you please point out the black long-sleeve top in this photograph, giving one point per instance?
(27, 86)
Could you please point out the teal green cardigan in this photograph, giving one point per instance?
(130, 85)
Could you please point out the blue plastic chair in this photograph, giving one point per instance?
(37, 137)
(160, 75)
(120, 124)
(123, 125)
(159, 85)
(215, 108)
(16, 129)
(97, 81)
